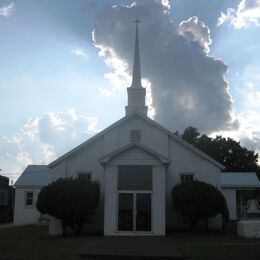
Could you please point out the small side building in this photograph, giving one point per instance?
(28, 187)
(238, 188)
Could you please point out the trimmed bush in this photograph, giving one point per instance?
(71, 201)
(197, 200)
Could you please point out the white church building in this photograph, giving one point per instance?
(137, 163)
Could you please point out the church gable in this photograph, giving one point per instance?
(152, 135)
(134, 153)
(147, 134)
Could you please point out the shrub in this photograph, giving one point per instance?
(6, 214)
(70, 200)
(197, 200)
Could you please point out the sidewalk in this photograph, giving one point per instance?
(131, 248)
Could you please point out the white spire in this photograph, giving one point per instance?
(136, 80)
(136, 93)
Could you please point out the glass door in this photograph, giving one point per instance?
(143, 212)
(134, 211)
(125, 212)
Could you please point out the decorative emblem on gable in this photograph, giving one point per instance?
(135, 135)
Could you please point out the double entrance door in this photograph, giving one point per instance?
(134, 211)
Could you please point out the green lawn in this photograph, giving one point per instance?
(33, 242)
(216, 245)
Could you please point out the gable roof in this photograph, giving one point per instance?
(35, 176)
(239, 180)
(105, 159)
(149, 121)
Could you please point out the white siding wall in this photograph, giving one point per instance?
(59, 171)
(230, 196)
(25, 214)
(111, 141)
(110, 219)
(158, 203)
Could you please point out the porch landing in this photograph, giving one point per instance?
(131, 247)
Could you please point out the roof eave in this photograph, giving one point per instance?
(92, 139)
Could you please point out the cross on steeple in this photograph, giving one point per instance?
(137, 20)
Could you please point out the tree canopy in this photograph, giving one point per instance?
(70, 200)
(197, 200)
(227, 151)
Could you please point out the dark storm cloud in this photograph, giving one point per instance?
(188, 86)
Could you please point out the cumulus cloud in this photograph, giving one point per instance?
(195, 30)
(79, 53)
(7, 10)
(248, 132)
(249, 85)
(254, 97)
(187, 85)
(42, 138)
(247, 14)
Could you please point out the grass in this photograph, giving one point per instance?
(220, 252)
(33, 242)
(216, 245)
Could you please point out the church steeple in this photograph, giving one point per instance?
(136, 93)
(136, 80)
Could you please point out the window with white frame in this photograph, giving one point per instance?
(29, 198)
(84, 177)
(187, 177)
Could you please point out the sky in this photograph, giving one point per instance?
(65, 66)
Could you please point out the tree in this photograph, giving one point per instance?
(190, 134)
(70, 200)
(227, 151)
(197, 200)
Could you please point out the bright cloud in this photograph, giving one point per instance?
(42, 138)
(249, 85)
(248, 132)
(247, 14)
(7, 10)
(254, 97)
(79, 53)
(195, 30)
